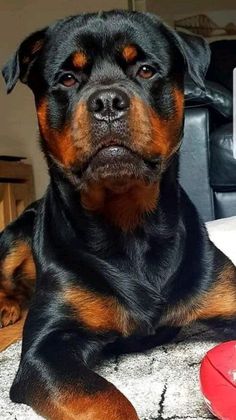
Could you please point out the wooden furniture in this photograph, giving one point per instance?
(16, 190)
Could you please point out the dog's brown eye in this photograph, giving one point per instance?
(146, 72)
(68, 80)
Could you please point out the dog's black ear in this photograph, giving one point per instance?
(196, 53)
(20, 64)
(194, 50)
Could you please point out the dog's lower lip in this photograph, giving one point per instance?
(117, 155)
(113, 154)
(114, 150)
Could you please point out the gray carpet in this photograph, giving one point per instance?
(162, 383)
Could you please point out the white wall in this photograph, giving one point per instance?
(18, 128)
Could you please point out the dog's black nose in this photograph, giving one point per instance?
(108, 104)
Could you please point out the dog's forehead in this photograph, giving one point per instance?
(95, 33)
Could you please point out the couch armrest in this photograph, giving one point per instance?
(214, 96)
(194, 162)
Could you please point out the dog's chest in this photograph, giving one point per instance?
(121, 282)
(116, 295)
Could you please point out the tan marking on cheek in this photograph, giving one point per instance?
(71, 144)
(139, 124)
(64, 148)
(81, 131)
(80, 60)
(160, 135)
(166, 132)
(42, 111)
(179, 103)
(152, 134)
(60, 143)
(148, 131)
(129, 53)
(99, 313)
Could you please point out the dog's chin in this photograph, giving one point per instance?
(117, 168)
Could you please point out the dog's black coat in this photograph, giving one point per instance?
(165, 261)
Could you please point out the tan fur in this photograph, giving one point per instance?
(221, 298)
(67, 404)
(60, 143)
(20, 255)
(151, 134)
(70, 145)
(124, 209)
(129, 53)
(80, 60)
(12, 333)
(9, 309)
(15, 295)
(99, 313)
(218, 301)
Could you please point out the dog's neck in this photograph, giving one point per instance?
(125, 208)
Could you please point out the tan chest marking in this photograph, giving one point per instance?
(99, 313)
(125, 210)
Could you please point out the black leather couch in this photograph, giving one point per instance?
(207, 165)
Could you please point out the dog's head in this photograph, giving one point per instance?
(109, 94)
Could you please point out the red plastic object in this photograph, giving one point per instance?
(218, 380)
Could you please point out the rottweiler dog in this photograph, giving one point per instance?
(118, 251)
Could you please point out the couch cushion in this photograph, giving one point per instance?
(223, 233)
(225, 204)
(222, 162)
(194, 162)
(223, 61)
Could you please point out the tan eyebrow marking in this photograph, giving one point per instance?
(129, 53)
(80, 59)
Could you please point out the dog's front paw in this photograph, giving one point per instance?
(103, 405)
(10, 311)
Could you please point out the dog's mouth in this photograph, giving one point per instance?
(119, 163)
(113, 154)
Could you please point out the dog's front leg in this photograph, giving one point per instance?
(54, 376)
